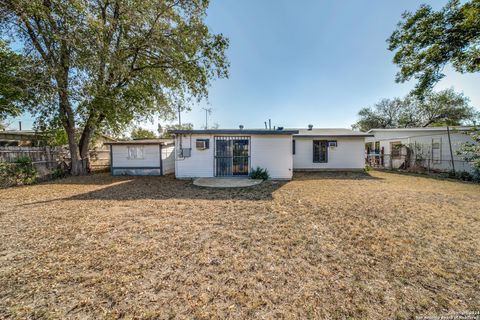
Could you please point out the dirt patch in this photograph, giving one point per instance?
(328, 245)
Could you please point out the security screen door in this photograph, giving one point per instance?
(232, 155)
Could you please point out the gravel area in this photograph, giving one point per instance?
(324, 245)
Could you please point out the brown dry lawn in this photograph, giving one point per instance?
(329, 246)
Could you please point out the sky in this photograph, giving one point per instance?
(306, 62)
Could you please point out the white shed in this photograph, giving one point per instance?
(153, 157)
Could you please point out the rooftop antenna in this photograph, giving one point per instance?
(207, 112)
(179, 116)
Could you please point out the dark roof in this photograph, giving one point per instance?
(331, 133)
(452, 128)
(235, 131)
(142, 141)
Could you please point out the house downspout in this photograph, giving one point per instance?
(111, 159)
(161, 159)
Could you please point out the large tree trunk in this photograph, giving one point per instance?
(78, 167)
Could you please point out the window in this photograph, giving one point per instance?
(396, 149)
(293, 146)
(377, 146)
(320, 151)
(437, 150)
(135, 152)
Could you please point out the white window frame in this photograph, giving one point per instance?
(135, 153)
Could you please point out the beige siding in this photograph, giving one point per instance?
(348, 154)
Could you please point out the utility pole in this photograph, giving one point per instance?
(451, 153)
(207, 112)
(179, 117)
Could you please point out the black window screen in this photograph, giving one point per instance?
(320, 151)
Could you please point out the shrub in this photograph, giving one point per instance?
(58, 173)
(259, 173)
(465, 176)
(19, 172)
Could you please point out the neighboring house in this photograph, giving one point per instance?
(427, 147)
(235, 152)
(152, 157)
(21, 138)
(329, 149)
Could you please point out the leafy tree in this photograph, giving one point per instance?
(471, 151)
(16, 79)
(183, 126)
(445, 107)
(108, 63)
(384, 114)
(140, 133)
(427, 40)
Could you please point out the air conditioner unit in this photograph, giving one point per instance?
(332, 144)
(202, 144)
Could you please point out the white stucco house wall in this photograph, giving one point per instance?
(233, 152)
(340, 149)
(152, 157)
(236, 152)
(431, 144)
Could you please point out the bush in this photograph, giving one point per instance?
(259, 173)
(464, 175)
(59, 173)
(20, 172)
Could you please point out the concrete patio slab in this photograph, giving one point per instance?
(226, 182)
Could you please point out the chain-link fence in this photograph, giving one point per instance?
(417, 163)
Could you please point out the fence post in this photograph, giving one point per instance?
(451, 152)
(49, 157)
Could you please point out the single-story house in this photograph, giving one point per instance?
(235, 152)
(151, 157)
(329, 149)
(429, 147)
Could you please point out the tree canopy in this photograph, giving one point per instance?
(426, 40)
(108, 63)
(140, 133)
(445, 107)
(471, 151)
(17, 82)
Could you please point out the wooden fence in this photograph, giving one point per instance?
(48, 158)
